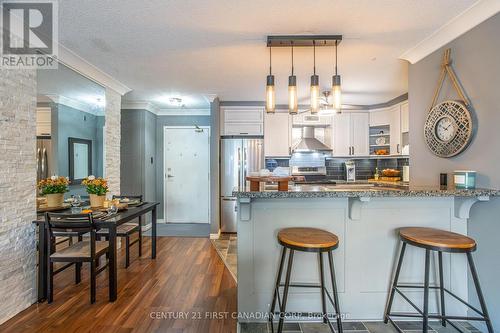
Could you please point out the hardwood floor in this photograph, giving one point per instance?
(187, 276)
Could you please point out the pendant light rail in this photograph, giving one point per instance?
(303, 41)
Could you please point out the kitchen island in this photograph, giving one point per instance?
(365, 218)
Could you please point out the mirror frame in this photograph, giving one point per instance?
(71, 142)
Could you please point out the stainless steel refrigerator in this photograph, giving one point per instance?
(43, 158)
(239, 157)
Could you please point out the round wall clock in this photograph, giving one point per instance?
(448, 128)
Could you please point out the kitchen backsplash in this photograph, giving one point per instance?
(335, 167)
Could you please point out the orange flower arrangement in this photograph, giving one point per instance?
(53, 185)
(97, 186)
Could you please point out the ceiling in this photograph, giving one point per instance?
(196, 48)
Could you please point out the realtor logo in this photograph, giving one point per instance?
(29, 34)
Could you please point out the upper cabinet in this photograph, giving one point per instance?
(242, 121)
(405, 118)
(350, 134)
(43, 121)
(389, 124)
(277, 134)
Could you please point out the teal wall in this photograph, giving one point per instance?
(70, 122)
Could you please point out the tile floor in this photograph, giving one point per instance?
(357, 327)
(227, 248)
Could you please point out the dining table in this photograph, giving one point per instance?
(110, 222)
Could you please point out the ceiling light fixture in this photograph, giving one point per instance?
(293, 41)
(292, 91)
(314, 84)
(336, 86)
(270, 90)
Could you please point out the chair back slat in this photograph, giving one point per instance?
(69, 222)
(128, 196)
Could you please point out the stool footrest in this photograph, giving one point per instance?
(437, 288)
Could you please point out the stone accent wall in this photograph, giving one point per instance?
(112, 140)
(17, 191)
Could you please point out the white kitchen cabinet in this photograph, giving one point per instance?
(43, 121)
(277, 134)
(242, 121)
(395, 124)
(405, 118)
(360, 123)
(350, 134)
(342, 134)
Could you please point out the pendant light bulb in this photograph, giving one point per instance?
(292, 92)
(270, 89)
(314, 85)
(336, 87)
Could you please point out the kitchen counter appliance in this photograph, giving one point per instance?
(239, 158)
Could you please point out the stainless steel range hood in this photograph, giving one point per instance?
(309, 143)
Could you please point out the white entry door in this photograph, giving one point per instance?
(187, 174)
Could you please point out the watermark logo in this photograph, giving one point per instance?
(29, 34)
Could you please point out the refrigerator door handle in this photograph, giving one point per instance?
(245, 167)
(239, 169)
(38, 158)
(44, 163)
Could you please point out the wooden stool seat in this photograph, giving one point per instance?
(308, 239)
(436, 239)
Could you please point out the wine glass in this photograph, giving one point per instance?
(75, 204)
(113, 209)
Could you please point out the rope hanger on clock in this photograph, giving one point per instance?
(447, 69)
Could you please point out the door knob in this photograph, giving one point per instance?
(170, 176)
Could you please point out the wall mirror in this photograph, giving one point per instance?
(80, 159)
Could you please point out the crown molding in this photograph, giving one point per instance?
(184, 112)
(85, 68)
(210, 97)
(140, 105)
(473, 16)
(77, 105)
(151, 107)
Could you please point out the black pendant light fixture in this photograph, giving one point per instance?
(292, 91)
(314, 85)
(336, 87)
(270, 90)
(293, 41)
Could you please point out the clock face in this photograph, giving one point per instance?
(445, 129)
(448, 128)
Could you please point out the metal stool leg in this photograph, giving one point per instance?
(441, 287)
(276, 287)
(479, 292)
(285, 291)
(322, 284)
(426, 293)
(335, 293)
(394, 283)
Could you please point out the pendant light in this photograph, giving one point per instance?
(270, 90)
(336, 87)
(292, 91)
(314, 84)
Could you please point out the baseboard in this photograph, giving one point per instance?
(181, 230)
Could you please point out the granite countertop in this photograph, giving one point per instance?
(365, 190)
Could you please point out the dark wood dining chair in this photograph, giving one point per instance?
(126, 230)
(82, 251)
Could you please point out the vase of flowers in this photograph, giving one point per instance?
(53, 189)
(97, 189)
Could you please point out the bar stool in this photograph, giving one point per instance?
(306, 240)
(440, 241)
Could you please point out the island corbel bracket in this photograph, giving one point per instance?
(464, 205)
(244, 208)
(355, 205)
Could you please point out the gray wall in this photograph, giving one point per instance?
(475, 57)
(138, 147)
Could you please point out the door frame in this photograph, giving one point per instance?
(165, 128)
